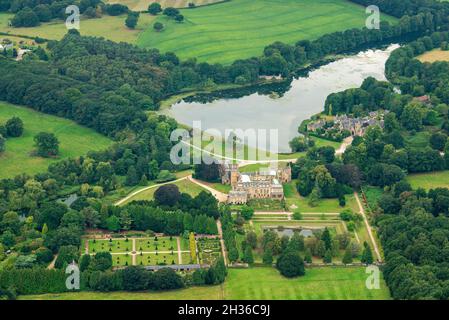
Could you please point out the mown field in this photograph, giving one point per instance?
(142, 5)
(434, 55)
(185, 186)
(74, 140)
(112, 28)
(430, 180)
(242, 28)
(258, 284)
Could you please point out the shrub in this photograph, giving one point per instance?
(290, 264)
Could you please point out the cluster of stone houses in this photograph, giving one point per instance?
(264, 184)
(352, 125)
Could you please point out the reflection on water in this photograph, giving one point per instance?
(305, 98)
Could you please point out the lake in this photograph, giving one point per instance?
(305, 98)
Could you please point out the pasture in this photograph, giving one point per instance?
(185, 186)
(429, 180)
(242, 28)
(434, 55)
(257, 284)
(112, 28)
(295, 201)
(142, 5)
(75, 140)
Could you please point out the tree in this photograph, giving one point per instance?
(267, 257)
(326, 238)
(47, 144)
(113, 223)
(43, 255)
(131, 177)
(154, 8)
(158, 26)
(25, 18)
(347, 258)
(84, 262)
(247, 212)
(171, 12)
(167, 195)
(132, 19)
(66, 255)
(179, 18)
(134, 278)
(327, 257)
(290, 264)
(102, 261)
(14, 127)
(308, 256)
(248, 255)
(166, 279)
(412, 116)
(367, 255)
(438, 140)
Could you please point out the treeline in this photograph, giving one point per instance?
(133, 278)
(32, 13)
(399, 8)
(414, 230)
(415, 77)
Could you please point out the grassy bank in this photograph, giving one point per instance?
(242, 28)
(74, 140)
(258, 284)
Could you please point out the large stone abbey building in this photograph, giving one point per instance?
(265, 184)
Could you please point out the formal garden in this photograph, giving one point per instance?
(209, 250)
(146, 251)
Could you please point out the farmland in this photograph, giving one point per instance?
(258, 284)
(242, 28)
(74, 139)
(112, 28)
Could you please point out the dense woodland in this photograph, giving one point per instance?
(413, 224)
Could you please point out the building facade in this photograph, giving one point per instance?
(265, 184)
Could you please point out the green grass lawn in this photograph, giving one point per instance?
(142, 5)
(112, 28)
(185, 186)
(162, 244)
(418, 140)
(318, 283)
(429, 180)
(114, 246)
(151, 259)
(294, 202)
(119, 260)
(242, 28)
(257, 284)
(75, 140)
(372, 195)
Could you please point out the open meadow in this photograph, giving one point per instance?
(242, 28)
(75, 140)
(257, 284)
(142, 5)
(434, 55)
(432, 180)
(108, 27)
